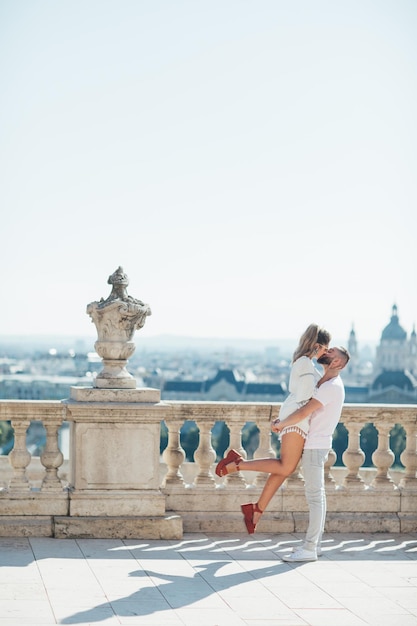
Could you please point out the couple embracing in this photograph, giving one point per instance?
(306, 423)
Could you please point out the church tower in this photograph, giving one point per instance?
(412, 363)
(392, 352)
(353, 365)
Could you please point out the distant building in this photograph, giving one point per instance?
(38, 387)
(393, 379)
(395, 365)
(352, 370)
(47, 376)
(226, 386)
(390, 379)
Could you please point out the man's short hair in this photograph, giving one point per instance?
(344, 353)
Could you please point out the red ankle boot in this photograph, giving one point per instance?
(248, 511)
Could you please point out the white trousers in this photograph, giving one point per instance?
(313, 472)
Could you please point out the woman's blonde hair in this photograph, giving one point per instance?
(310, 337)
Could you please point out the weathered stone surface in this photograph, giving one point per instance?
(152, 527)
(300, 521)
(194, 499)
(366, 500)
(294, 501)
(33, 503)
(215, 522)
(91, 394)
(117, 456)
(93, 503)
(26, 526)
(408, 522)
(362, 522)
(276, 522)
(408, 501)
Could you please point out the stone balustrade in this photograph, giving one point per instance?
(197, 500)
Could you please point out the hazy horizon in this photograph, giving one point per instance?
(170, 341)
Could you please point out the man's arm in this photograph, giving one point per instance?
(297, 416)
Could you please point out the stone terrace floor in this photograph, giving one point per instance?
(209, 580)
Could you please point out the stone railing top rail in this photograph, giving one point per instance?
(236, 411)
(191, 410)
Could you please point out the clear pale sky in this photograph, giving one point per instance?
(251, 164)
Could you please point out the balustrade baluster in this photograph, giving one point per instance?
(331, 460)
(173, 455)
(204, 456)
(52, 457)
(353, 457)
(264, 450)
(409, 457)
(236, 443)
(19, 457)
(383, 458)
(295, 479)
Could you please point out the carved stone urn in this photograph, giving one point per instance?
(116, 320)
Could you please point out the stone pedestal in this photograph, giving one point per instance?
(114, 465)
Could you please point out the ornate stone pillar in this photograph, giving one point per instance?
(115, 436)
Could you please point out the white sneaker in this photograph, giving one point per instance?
(301, 554)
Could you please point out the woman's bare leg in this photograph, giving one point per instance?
(292, 445)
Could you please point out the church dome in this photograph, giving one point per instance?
(394, 330)
(402, 380)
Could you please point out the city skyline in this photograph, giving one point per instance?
(251, 166)
(183, 343)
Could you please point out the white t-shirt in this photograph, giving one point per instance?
(323, 422)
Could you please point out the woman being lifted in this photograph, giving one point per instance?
(304, 377)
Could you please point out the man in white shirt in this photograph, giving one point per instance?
(325, 408)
